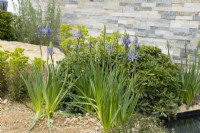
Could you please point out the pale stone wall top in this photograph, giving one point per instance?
(31, 50)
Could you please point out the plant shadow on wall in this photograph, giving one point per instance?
(29, 19)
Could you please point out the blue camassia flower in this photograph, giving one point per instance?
(44, 31)
(126, 40)
(136, 43)
(78, 35)
(50, 51)
(133, 56)
(110, 47)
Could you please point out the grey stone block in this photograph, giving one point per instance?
(126, 26)
(156, 22)
(196, 18)
(163, 5)
(179, 30)
(142, 8)
(159, 36)
(158, 1)
(112, 21)
(150, 33)
(142, 27)
(167, 14)
(186, 13)
(193, 30)
(140, 34)
(70, 15)
(181, 34)
(72, 2)
(97, 0)
(130, 4)
(159, 28)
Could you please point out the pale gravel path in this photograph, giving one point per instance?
(16, 118)
(31, 50)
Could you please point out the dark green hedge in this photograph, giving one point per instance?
(6, 19)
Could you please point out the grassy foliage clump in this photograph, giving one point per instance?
(189, 77)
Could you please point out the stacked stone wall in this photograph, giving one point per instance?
(153, 21)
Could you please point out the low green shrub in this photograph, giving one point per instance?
(4, 55)
(141, 124)
(6, 19)
(11, 63)
(160, 82)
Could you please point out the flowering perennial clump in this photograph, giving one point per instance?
(44, 31)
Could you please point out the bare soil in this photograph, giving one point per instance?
(16, 117)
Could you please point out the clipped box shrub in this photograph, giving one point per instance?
(6, 19)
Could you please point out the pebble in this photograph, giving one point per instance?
(92, 120)
(98, 124)
(5, 101)
(79, 118)
(74, 120)
(51, 121)
(97, 128)
(67, 119)
(87, 114)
